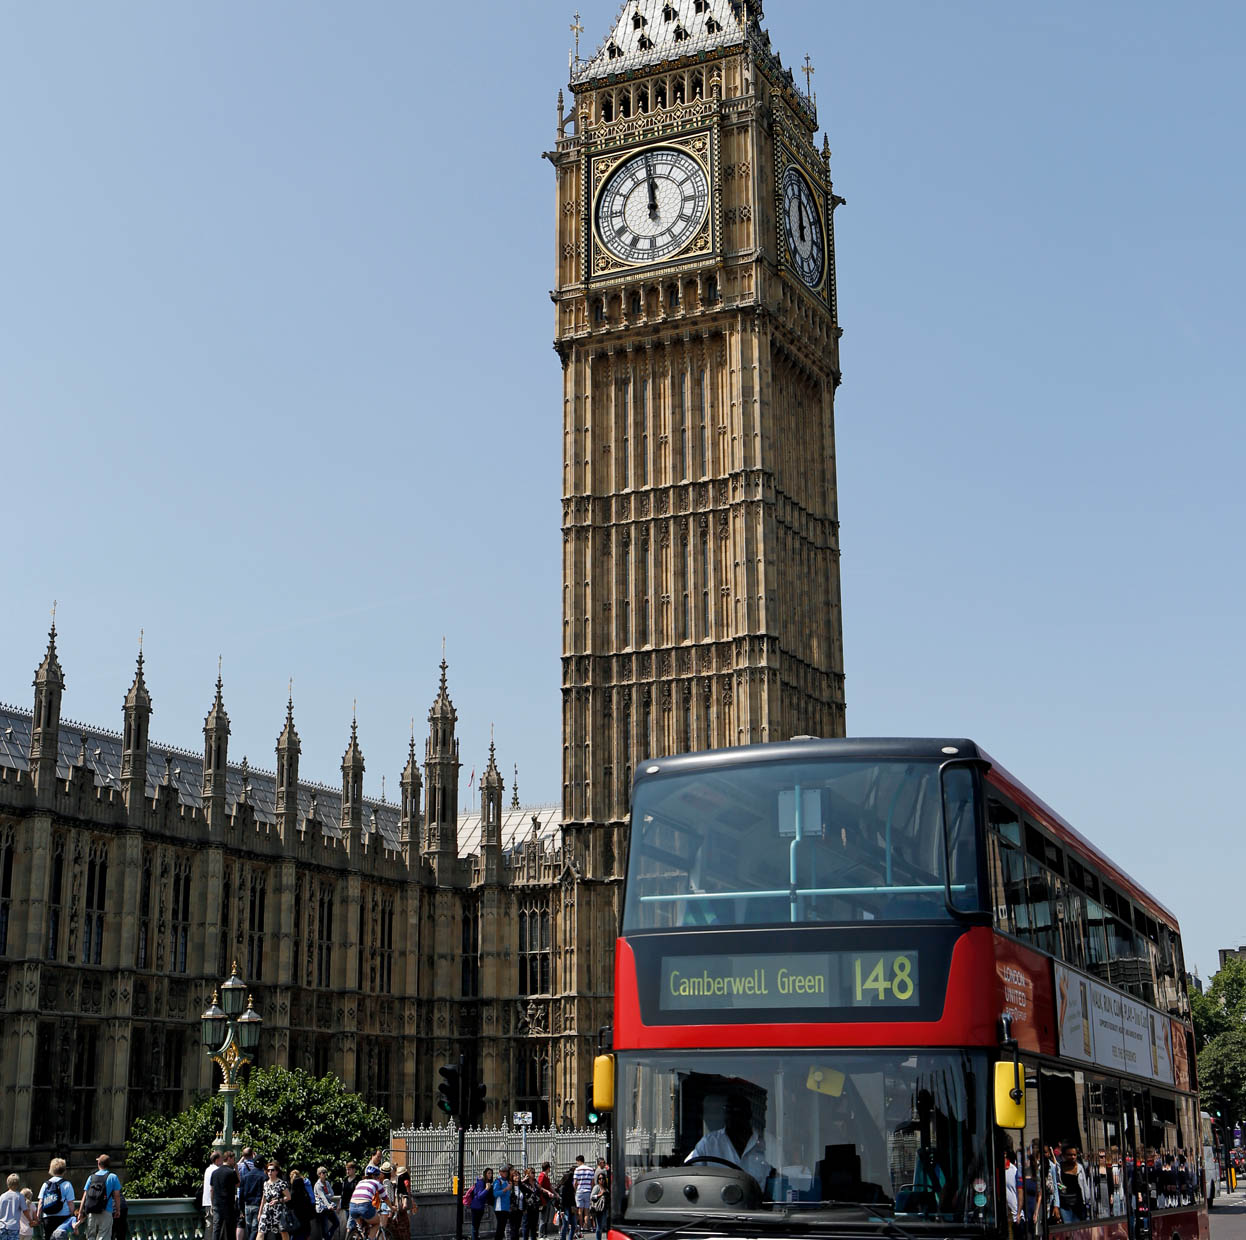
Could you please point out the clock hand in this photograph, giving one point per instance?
(800, 217)
(653, 189)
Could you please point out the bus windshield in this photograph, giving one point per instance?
(898, 1133)
(789, 842)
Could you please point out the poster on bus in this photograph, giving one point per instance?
(1098, 1024)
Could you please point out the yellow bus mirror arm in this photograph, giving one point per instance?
(603, 1083)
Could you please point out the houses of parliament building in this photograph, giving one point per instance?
(696, 326)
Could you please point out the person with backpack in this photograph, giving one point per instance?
(566, 1205)
(101, 1202)
(477, 1197)
(501, 1202)
(56, 1199)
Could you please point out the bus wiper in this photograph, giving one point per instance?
(692, 1222)
(873, 1215)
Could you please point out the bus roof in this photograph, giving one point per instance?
(930, 748)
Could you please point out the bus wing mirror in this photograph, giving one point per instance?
(603, 1083)
(1009, 1095)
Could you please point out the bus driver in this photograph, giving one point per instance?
(735, 1142)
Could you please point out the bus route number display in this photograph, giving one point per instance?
(849, 979)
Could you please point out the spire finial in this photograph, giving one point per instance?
(577, 30)
(515, 789)
(382, 789)
(218, 676)
(808, 70)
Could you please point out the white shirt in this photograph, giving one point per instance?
(1010, 1188)
(207, 1185)
(717, 1144)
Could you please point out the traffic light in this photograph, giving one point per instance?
(450, 1091)
(591, 1114)
(476, 1095)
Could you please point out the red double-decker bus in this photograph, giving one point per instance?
(878, 986)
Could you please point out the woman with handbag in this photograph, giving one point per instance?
(477, 1198)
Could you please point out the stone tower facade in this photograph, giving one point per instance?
(697, 328)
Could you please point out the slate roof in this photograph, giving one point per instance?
(185, 769)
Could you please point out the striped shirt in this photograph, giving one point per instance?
(583, 1178)
(365, 1190)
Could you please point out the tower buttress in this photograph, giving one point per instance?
(352, 788)
(137, 712)
(441, 783)
(409, 820)
(491, 788)
(288, 749)
(49, 684)
(215, 758)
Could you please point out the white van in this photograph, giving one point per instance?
(1211, 1160)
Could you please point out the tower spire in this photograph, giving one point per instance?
(137, 717)
(45, 724)
(215, 755)
(288, 749)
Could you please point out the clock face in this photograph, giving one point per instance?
(802, 226)
(652, 205)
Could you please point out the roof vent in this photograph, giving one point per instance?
(614, 51)
(638, 20)
(711, 26)
(668, 13)
(680, 34)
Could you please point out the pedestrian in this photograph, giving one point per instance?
(517, 1203)
(224, 1190)
(598, 1201)
(348, 1191)
(478, 1197)
(545, 1182)
(251, 1179)
(566, 1205)
(367, 1201)
(206, 1200)
(301, 1205)
(56, 1199)
(531, 1205)
(325, 1227)
(275, 1205)
(101, 1202)
(26, 1225)
(404, 1205)
(501, 1202)
(12, 1209)
(583, 1176)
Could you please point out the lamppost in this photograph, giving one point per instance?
(230, 1036)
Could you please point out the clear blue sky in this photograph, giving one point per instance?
(250, 251)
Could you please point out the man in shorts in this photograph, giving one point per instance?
(582, 1177)
(364, 1215)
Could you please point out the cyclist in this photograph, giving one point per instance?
(365, 1204)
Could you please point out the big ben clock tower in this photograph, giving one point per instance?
(699, 339)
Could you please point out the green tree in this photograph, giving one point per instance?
(1222, 1071)
(1223, 1007)
(291, 1116)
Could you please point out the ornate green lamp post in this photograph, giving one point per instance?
(230, 1036)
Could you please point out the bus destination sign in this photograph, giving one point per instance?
(844, 979)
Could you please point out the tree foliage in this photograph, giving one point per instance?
(1222, 1071)
(1223, 1007)
(291, 1116)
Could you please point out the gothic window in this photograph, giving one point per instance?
(170, 1077)
(93, 913)
(677, 90)
(646, 734)
(643, 638)
(534, 950)
(6, 887)
(385, 948)
(222, 957)
(711, 290)
(627, 595)
(324, 937)
(363, 926)
(470, 955)
(672, 296)
(142, 947)
(686, 737)
(633, 304)
(82, 1087)
(642, 95)
(705, 585)
(599, 306)
(659, 94)
(644, 432)
(703, 417)
(686, 583)
(179, 916)
(625, 104)
(607, 114)
(698, 79)
(255, 928)
(56, 891)
(683, 422)
(322, 1056)
(47, 1092)
(625, 413)
(532, 1083)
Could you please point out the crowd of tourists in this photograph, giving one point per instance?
(58, 1212)
(533, 1205)
(247, 1197)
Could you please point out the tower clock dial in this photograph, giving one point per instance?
(652, 205)
(802, 227)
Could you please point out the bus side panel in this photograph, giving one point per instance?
(970, 1013)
